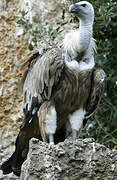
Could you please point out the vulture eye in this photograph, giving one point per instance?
(83, 5)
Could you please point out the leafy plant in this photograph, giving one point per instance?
(104, 123)
(37, 31)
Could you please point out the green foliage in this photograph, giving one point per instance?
(37, 31)
(104, 124)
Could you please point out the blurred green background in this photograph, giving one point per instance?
(103, 125)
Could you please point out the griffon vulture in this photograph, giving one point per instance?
(60, 89)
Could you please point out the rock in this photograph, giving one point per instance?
(46, 9)
(69, 160)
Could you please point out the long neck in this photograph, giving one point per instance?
(85, 34)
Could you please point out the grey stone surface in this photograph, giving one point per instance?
(69, 160)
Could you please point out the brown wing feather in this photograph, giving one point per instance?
(97, 90)
(25, 67)
(28, 64)
(43, 76)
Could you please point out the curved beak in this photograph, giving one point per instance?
(74, 8)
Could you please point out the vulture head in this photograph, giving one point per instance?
(83, 10)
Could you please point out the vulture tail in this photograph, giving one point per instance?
(27, 131)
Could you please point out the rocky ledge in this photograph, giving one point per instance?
(69, 160)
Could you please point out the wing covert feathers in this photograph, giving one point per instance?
(43, 76)
(98, 87)
(25, 68)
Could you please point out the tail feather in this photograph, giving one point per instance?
(6, 167)
(16, 170)
(27, 131)
(13, 164)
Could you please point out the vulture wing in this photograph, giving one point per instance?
(39, 81)
(97, 90)
(25, 67)
(42, 78)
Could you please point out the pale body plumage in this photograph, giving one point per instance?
(79, 44)
(72, 50)
(60, 91)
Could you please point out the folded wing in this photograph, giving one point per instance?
(42, 78)
(97, 90)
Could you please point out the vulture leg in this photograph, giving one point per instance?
(74, 134)
(47, 121)
(76, 121)
(27, 131)
(51, 139)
